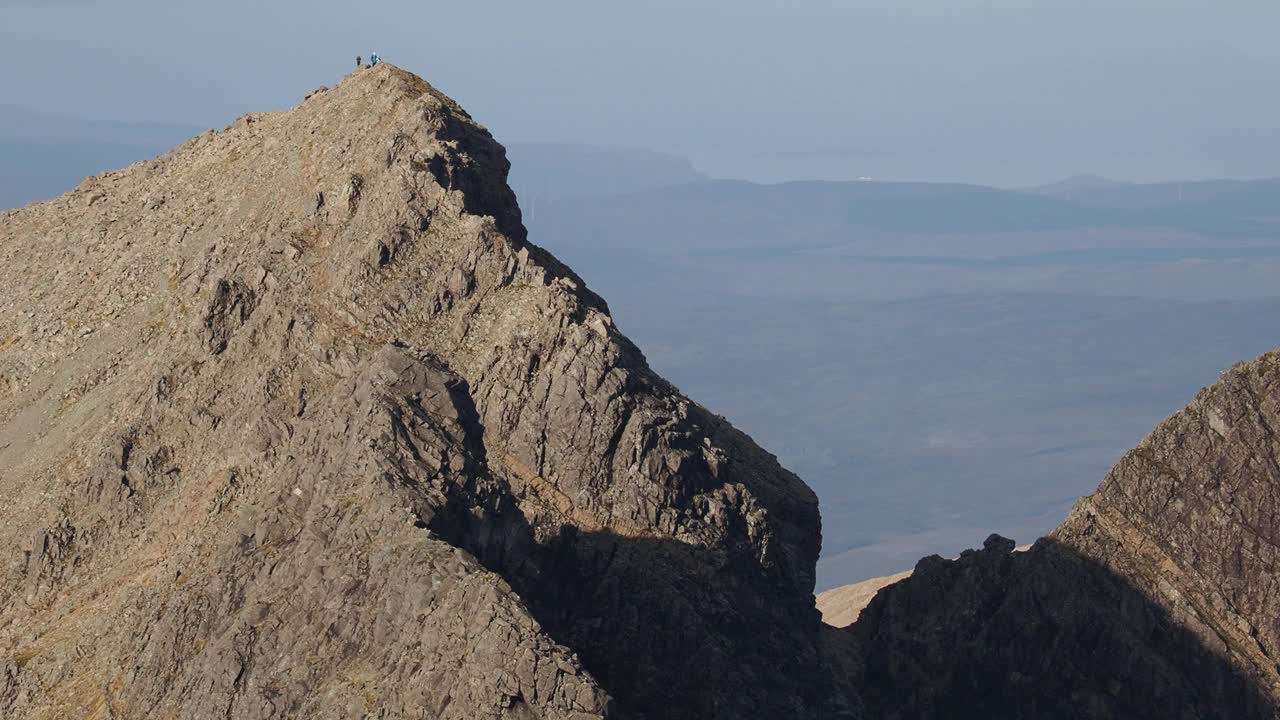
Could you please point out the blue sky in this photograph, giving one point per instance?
(999, 91)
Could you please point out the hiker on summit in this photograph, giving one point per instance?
(358, 59)
(374, 59)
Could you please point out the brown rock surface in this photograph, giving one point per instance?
(841, 606)
(1192, 517)
(1156, 598)
(295, 422)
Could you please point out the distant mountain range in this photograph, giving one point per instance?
(742, 216)
(1077, 184)
(43, 155)
(547, 172)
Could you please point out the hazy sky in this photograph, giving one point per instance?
(998, 91)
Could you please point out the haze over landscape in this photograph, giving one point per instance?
(997, 92)
(938, 360)
(574, 362)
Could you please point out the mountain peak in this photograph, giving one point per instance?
(302, 388)
(296, 421)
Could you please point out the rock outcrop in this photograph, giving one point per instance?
(1191, 517)
(295, 422)
(1156, 598)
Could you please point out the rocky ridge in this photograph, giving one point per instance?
(295, 421)
(1155, 598)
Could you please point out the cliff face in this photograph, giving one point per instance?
(1192, 517)
(294, 421)
(1156, 598)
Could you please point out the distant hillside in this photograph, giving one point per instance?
(1076, 184)
(43, 155)
(1239, 198)
(19, 123)
(543, 173)
(724, 215)
(737, 216)
(1247, 198)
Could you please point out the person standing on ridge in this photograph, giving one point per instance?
(358, 63)
(374, 59)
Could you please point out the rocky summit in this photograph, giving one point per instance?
(296, 422)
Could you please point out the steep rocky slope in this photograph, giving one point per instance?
(1156, 598)
(295, 422)
(1192, 516)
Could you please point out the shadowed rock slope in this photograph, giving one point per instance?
(294, 422)
(1156, 598)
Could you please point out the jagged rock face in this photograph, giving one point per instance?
(1156, 598)
(295, 422)
(1192, 517)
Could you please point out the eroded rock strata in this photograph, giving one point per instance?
(294, 421)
